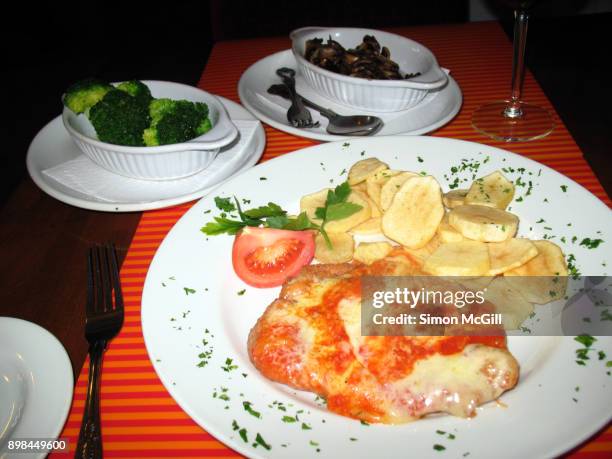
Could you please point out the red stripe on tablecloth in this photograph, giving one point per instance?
(139, 418)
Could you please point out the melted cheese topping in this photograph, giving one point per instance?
(311, 339)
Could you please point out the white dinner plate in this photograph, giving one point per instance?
(197, 339)
(437, 109)
(35, 383)
(53, 146)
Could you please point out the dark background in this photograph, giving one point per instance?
(53, 45)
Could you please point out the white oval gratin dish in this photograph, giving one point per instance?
(372, 95)
(163, 162)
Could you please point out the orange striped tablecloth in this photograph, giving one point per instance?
(139, 418)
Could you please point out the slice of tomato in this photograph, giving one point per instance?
(266, 257)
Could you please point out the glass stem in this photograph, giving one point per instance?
(521, 19)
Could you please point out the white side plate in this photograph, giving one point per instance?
(437, 109)
(36, 383)
(53, 146)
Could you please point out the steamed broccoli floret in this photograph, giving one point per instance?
(85, 94)
(159, 107)
(175, 121)
(204, 126)
(120, 119)
(137, 89)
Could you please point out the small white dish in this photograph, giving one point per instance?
(52, 147)
(437, 109)
(163, 162)
(362, 93)
(36, 383)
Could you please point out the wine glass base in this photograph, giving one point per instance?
(533, 123)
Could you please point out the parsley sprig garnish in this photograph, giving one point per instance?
(336, 208)
(272, 215)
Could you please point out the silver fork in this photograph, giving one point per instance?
(298, 115)
(104, 313)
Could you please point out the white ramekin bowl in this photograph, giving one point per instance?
(361, 93)
(164, 162)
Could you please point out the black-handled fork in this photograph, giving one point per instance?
(104, 312)
(298, 115)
